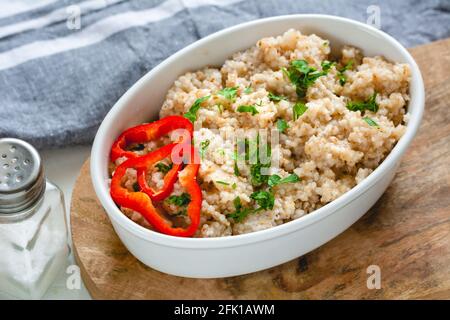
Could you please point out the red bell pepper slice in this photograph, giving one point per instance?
(141, 202)
(147, 132)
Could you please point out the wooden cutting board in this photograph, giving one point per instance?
(406, 233)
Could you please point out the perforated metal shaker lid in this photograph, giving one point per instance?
(22, 181)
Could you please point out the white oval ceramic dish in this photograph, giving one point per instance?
(236, 255)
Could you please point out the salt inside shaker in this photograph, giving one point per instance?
(33, 229)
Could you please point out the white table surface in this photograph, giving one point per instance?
(62, 167)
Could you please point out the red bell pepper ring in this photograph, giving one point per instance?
(148, 132)
(141, 202)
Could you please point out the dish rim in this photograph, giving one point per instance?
(391, 159)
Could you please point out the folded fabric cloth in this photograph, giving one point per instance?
(63, 64)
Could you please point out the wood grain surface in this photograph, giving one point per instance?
(406, 233)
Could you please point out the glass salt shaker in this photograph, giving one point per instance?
(33, 229)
